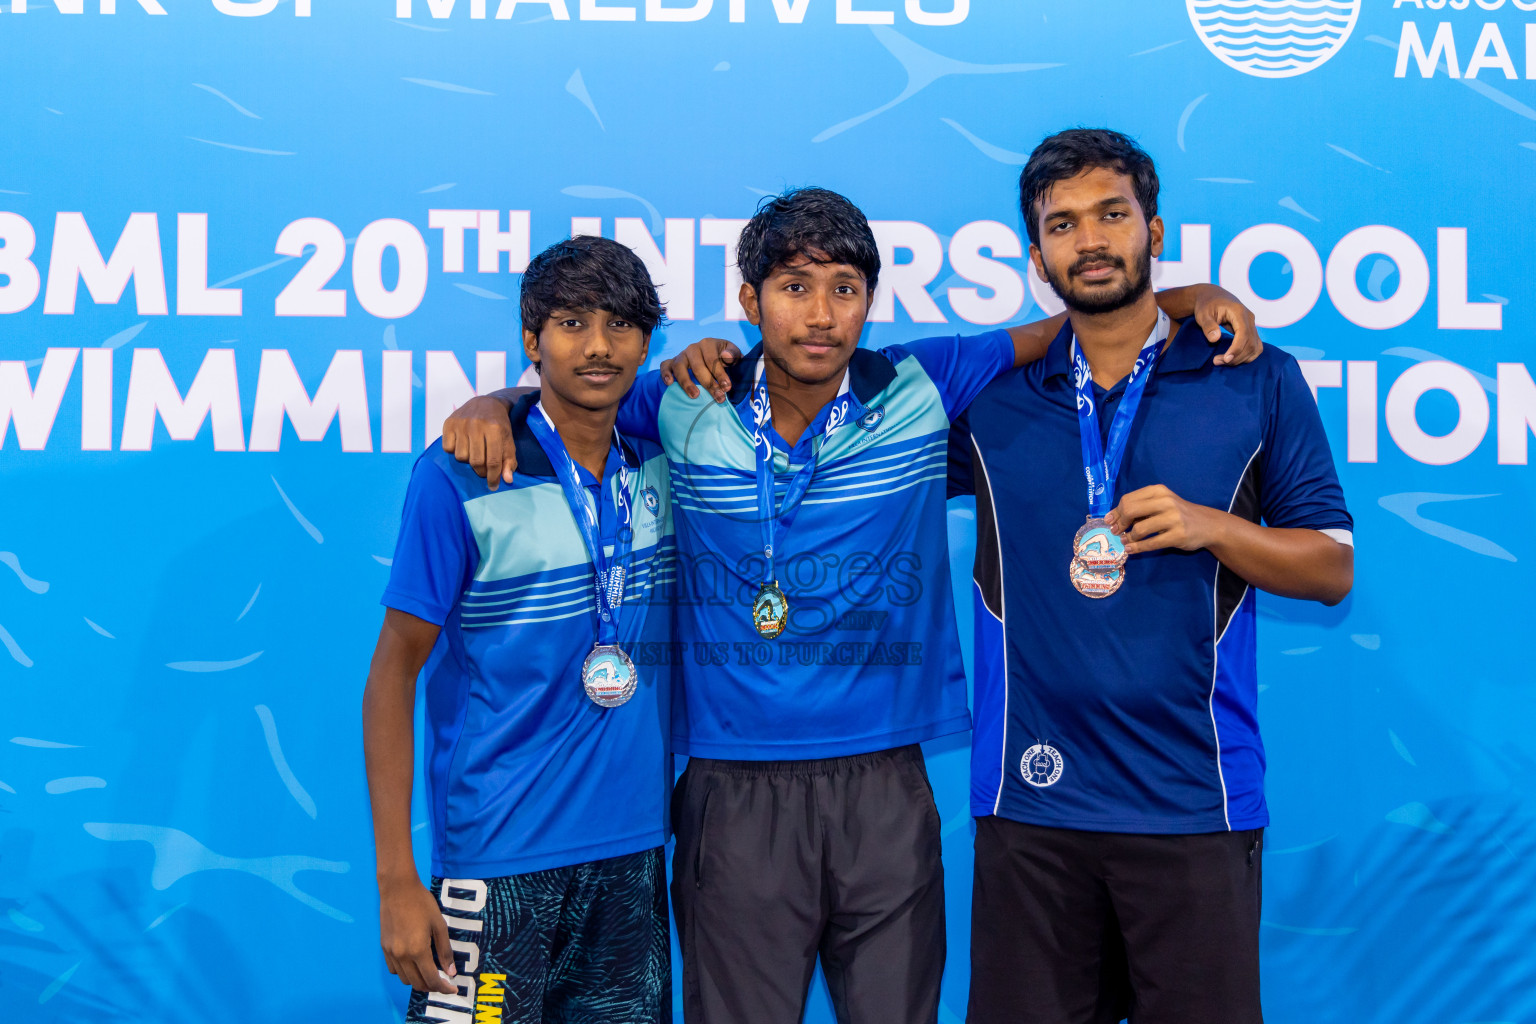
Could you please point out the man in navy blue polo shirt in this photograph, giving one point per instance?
(542, 615)
(1121, 483)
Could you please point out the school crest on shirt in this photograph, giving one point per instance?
(651, 500)
(872, 419)
(1041, 765)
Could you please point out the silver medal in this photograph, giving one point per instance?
(609, 676)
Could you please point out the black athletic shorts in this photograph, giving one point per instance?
(779, 862)
(1093, 927)
(586, 944)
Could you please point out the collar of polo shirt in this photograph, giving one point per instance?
(869, 373)
(531, 458)
(1188, 350)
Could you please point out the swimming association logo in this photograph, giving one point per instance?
(652, 500)
(1274, 38)
(1041, 765)
(872, 419)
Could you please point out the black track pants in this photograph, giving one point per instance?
(1089, 927)
(780, 862)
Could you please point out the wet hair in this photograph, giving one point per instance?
(1067, 154)
(586, 273)
(814, 224)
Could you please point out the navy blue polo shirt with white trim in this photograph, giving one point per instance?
(1138, 712)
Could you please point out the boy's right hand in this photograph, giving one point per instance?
(411, 927)
(480, 434)
(706, 360)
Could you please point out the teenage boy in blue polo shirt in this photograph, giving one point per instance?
(1117, 770)
(542, 615)
(814, 603)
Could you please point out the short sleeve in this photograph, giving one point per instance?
(436, 554)
(640, 409)
(960, 366)
(1299, 486)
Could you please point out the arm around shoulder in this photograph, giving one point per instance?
(480, 434)
(1030, 341)
(1213, 308)
(640, 411)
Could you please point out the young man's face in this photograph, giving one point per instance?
(1096, 244)
(588, 357)
(811, 315)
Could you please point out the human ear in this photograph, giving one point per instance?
(1038, 259)
(531, 346)
(748, 299)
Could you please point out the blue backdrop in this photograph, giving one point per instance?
(225, 208)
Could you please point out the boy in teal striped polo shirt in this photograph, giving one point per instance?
(542, 616)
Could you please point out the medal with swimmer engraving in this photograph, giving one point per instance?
(770, 608)
(609, 676)
(1098, 559)
(770, 611)
(1098, 563)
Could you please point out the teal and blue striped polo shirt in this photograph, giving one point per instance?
(523, 771)
(870, 659)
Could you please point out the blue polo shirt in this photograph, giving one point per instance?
(523, 771)
(1138, 712)
(870, 659)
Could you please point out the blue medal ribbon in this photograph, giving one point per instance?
(1101, 469)
(599, 529)
(762, 417)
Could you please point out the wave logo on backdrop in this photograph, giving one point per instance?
(1274, 38)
